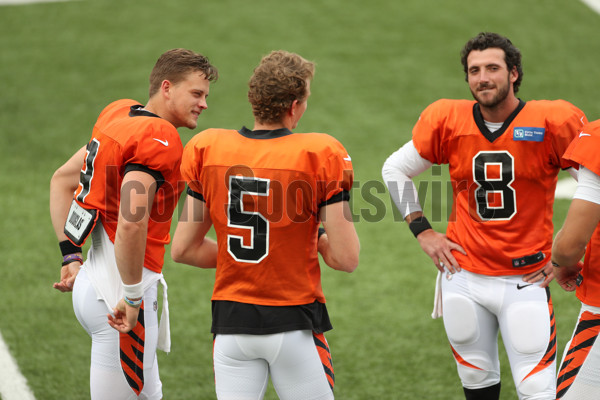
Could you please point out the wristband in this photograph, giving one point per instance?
(133, 303)
(69, 258)
(135, 291)
(321, 232)
(419, 225)
(66, 248)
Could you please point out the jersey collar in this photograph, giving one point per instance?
(137, 110)
(491, 136)
(264, 134)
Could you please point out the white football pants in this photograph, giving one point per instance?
(116, 357)
(299, 363)
(477, 307)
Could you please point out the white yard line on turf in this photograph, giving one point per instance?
(13, 385)
(23, 2)
(593, 4)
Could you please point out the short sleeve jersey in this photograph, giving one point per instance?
(584, 151)
(264, 190)
(503, 182)
(125, 138)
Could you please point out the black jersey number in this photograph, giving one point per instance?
(239, 218)
(87, 173)
(494, 185)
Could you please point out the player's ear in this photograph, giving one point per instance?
(293, 108)
(165, 88)
(514, 74)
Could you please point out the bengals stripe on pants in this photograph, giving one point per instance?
(325, 355)
(462, 361)
(584, 337)
(131, 347)
(550, 354)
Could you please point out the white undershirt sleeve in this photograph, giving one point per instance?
(398, 171)
(588, 186)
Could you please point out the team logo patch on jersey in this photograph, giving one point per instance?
(529, 134)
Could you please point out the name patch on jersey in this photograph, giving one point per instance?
(529, 134)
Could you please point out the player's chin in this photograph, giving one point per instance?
(192, 123)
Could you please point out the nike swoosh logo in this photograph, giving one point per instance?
(519, 286)
(584, 134)
(163, 142)
(348, 158)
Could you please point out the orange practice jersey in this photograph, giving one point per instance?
(584, 151)
(124, 138)
(264, 190)
(503, 182)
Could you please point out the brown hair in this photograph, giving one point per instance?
(175, 64)
(280, 78)
(486, 40)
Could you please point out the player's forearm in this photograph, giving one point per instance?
(412, 216)
(63, 184)
(201, 253)
(130, 250)
(190, 245)
(60, 201)
(342, 258)
(340, 245)
(137, 193)
(567, 249)
(398, 171)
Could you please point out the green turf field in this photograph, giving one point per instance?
(379, 63)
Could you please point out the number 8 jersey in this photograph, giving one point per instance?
(503, 182)
(264, 190)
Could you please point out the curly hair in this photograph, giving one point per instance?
(486, 40)
(175, 64)
(280, 78)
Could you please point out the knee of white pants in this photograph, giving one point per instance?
(478, 377)
(460, 320)
(528, 327)
(540, 386)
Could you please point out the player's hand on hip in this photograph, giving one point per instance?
(437, 246)
(68, 273)
(125, 317)
(546, 274)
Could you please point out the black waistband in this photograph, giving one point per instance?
(528, 260)
(230, 317)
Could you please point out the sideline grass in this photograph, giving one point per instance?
(378, 65)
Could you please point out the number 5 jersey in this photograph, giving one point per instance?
(503, 182)
(264, 190)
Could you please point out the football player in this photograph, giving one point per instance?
(504, 155)
(126, 183)
(266, 190)
(578, 377)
